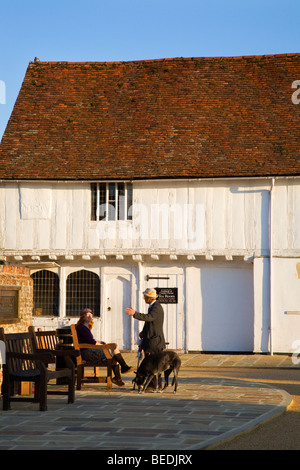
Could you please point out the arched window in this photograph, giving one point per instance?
(83, 290)
(45, 293)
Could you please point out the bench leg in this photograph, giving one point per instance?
(109, 375)
(71, 387)
(6, 388)
(80, 371)
(43, 393)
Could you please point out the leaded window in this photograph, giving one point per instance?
(83, 291)
(111, 201)
(45, 293)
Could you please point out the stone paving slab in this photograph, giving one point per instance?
(230, 360)
(205, 411)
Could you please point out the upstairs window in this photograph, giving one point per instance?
(111, 201)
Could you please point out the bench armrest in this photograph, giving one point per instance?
(44, 356)
(62, 352)
(97, 346)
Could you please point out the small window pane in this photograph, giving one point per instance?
(121, 201)
(129, 201)
(102, 201)
(111, 201)
(94, 201)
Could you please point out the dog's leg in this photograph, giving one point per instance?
(167, 373)
(134, 382)
(141, 387)
(156, 383)
(150, 377)
(175, 380)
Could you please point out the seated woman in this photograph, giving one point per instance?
(83, 328)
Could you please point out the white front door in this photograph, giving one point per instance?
(174, 312)
(116, 324)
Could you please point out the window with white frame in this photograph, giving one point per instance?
(111, 201)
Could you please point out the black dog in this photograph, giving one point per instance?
(153, 365)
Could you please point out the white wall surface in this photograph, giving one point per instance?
(220, 307)
(193, 216)
(232, 218)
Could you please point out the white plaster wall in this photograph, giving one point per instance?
(233, 218)
(193, 216)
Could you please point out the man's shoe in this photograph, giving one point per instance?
(126, 369)
(118, 382)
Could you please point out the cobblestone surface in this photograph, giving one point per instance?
(205, 410)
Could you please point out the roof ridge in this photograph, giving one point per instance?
(250, 56)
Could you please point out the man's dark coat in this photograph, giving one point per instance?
(153, 339)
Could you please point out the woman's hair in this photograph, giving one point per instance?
(83, 315)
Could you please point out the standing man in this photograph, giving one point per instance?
(152, 335)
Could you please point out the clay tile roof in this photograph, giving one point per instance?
(166, 118)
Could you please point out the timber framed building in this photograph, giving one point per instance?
(179, 174)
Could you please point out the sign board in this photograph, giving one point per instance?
(167, 295)
(9, 302)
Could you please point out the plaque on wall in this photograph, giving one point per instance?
(167, 295)
(9, 303)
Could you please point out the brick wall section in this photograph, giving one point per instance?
(168, 118)
(19, 276)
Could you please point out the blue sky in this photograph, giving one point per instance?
(121, 30)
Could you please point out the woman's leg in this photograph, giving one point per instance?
(120, 359)
(117, 380)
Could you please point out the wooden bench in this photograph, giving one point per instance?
(25, 362)
(82, 377)
(45, 340)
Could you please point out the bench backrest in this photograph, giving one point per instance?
(19, 343)
(46, 339)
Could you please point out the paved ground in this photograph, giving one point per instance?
(208, 409)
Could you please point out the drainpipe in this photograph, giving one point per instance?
(271, 263)
(137, 306)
